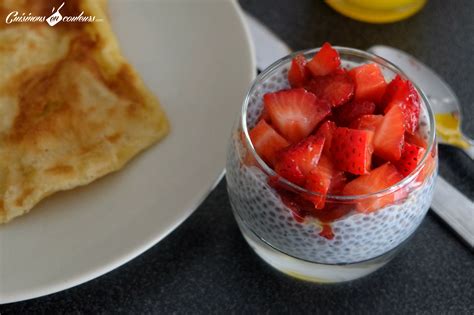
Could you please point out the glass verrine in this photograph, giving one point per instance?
(351, 238)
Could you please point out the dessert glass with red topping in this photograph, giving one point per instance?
(331, 164)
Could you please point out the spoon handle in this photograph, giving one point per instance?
(470, 152)
(455, 209)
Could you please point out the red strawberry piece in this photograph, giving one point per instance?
(367, 122)
(292, 201)
(332, 212)
(397, 91)
(378, 179)
(319, 181)
(389, 136)
(411, 156)
(298, 75)
(349, 112)
(411, 109)
(295, 162)
(377, 161)
(352, 150)
(295, 113)
(369, 82)
(265, 116)
(302, 208)
(289, 199)
(336, 88)
(274, 181)
(402, 93)
(326, 130)
(248, 159)
(299, 207)
(416, 139)
(266, 141)
(338, 181)
(428, 167)
(326, 232)
(325, 61)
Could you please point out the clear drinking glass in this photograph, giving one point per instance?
(271, 217)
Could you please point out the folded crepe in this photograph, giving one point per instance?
(71, 108)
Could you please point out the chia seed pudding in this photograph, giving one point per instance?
(358, 236)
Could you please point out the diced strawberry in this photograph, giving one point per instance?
(411, 110)
(367, 122)
(428, 167)
(338, 181)
(296, 162)
(402, 93)
(290, 200)
(298, 75)
(332, 212)
(395, 90)
(248, 158)
(411, 156)
(378, 179)
(324, 179)
(326, 130)
(300, 207)
(337, 88)
(411, 114)
(415, 139)
(295, 113)
(369, 82)
(377, 161)
(352, 150)
(325, 61)
(389, 136)
(267, 141)
(274, 181)
(265, 116)
(349, 112)
(326, 232)
(319, 180)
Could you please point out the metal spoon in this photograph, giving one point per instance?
(444, 102)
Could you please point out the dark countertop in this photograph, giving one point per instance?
(206, 266)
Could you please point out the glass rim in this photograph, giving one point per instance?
(350, 52)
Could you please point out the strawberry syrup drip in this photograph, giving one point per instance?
(327, 232)
(301, 209)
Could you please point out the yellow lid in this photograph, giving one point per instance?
(376, 11)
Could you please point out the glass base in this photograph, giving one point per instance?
(310, 271)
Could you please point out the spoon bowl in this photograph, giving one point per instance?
(443, 100)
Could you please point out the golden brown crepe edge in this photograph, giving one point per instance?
(111, 47)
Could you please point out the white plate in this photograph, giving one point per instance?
(195, 55)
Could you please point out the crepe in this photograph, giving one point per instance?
(71, 108)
